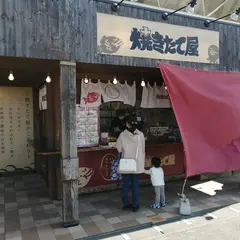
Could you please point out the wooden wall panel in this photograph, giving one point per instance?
(66, 30)
(56, 111)
(38, 28)
(229, 54)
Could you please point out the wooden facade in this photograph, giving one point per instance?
(66, 30)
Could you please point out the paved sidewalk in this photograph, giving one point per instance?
(27, 212)
(219, 224)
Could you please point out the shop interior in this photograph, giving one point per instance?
(32, 73)
(44, 140)
(158, 124)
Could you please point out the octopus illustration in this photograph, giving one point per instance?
(213, 54)
(109, 45)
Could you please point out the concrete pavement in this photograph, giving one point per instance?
(27, 212)
(223, 223)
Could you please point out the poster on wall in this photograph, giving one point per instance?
(43, 97)
(87, 126)
(123, 36)
(16, 129)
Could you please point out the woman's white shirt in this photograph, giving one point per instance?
(127, 145)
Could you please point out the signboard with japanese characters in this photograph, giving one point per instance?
(16, 129)
(130, 37)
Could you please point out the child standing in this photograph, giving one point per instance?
(157, 179)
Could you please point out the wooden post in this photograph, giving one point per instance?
(69, 161)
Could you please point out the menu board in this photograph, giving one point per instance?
(158, 131)
(16, 128)
(87, 126)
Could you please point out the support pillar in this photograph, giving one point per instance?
(69, 161)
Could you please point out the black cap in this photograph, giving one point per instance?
(132, 120)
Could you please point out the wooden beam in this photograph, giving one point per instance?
(217, 8)
(204, 9)
(69, 161)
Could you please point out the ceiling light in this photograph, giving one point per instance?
(48, 79)
(115, 80)
(115, 6)
(11, 77)
(86, 79)
(189, 8)
(234, 16)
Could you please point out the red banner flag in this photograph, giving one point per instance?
(207, 108)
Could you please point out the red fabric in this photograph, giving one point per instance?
(207, 108)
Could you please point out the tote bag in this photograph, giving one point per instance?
(115, 175)
(129, 165)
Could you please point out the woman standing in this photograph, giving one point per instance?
(130, 142)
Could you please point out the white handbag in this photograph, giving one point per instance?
(128, 165)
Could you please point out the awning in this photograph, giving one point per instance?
(207, 108)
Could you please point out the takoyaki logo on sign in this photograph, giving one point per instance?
(111, 91)
(106, 165)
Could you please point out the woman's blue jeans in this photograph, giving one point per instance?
(133, 180)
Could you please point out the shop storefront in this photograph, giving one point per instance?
(88, 40)
(129, 37)
(101, 111)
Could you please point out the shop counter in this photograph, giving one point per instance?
(95, 164)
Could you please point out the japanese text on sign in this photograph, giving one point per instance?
(144, 39)
(28, 125)
(11, 149)
(16, 128)
(131, 37)
(2, 145)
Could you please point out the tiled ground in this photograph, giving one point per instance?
(26, 211)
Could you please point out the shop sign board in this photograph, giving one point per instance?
(131, 37)
(16, 129)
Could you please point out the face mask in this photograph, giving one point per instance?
(132, 129)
